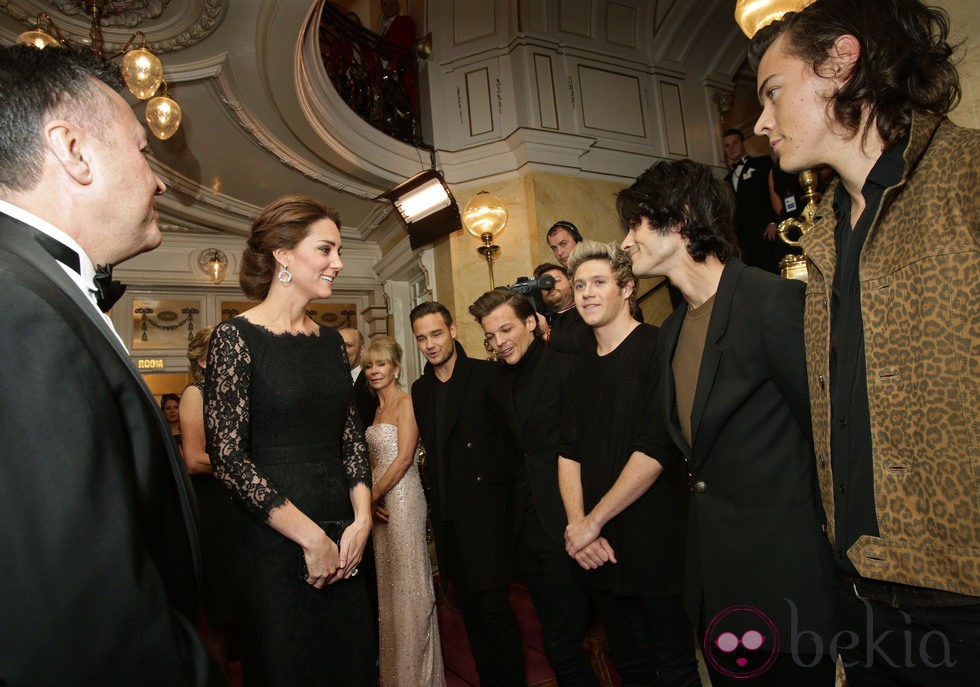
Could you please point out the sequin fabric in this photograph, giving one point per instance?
(410, 652)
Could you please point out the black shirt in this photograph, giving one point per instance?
(850, 428)
(613, 408)
(570, 333)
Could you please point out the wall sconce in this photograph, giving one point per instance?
(752, 15)
(485, 216)
(213, 263)
(426, 206)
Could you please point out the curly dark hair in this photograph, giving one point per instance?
(281, 224)
(685, 195)
(57, 82)
(904, 65)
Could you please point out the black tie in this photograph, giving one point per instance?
(106, 291)
(58, 251)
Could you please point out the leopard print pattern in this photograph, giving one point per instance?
(920, 282)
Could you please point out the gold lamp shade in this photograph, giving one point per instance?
(484, 214)
(752, 15)
(143, 72)
(37, 38)
(163, 116)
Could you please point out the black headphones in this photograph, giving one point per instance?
(569, 227)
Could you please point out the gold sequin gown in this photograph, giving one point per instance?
(410, 651)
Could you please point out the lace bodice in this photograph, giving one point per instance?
(272, 400)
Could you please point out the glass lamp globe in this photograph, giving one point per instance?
(752, 15)
(143, 72)
(163, 117)
(37, 38)
(484, 214)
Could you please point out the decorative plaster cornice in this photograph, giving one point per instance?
(225, 92)
(162, 38)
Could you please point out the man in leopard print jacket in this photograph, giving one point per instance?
(891, 324)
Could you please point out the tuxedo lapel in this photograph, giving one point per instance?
(670, 331)
(711, 358)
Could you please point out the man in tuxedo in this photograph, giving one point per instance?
(472, 469)
(532, 394)
(566, 332)
(734, 389)
(365, 402)
(100, 562)
(755, 220)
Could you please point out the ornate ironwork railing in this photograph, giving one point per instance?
(376, 78)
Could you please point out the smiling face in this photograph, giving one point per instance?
(598, 298)
(651, 252)
(795, 111)
(559, 298)
(380, 372)
(435, 339)
(561, 244)
(315, 261)
(509, 336)
(171, 411)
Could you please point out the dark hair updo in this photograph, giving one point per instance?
(281, 224)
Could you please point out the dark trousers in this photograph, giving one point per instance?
(650, 639)
(901, 644)
(786, 670)
(495, 638)
(561, 601)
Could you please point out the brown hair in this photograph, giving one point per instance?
(197, 348)
(904, 65)
(491, 300)
(281, 224)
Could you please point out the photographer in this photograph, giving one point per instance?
(566, 331)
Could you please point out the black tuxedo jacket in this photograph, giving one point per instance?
(100, 561)
(471, 472)
(537, 435)
(755, 527)
(753, 212)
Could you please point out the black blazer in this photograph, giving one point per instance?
(537, 436)
(100, 561)
(475, 467)
(754, 533)
(365, 401)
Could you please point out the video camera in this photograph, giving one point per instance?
(532, 288)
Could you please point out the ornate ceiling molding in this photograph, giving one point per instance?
(168, 26)
(225, 92)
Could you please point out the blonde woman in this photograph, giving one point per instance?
(409, 633)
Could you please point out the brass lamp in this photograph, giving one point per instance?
(485, 217)
(141, 69)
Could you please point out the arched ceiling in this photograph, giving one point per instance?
(254, 122)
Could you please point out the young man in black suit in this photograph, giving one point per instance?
(532, 394)
(755, 220)
(734, 386)
(99, 546)
(472, 467)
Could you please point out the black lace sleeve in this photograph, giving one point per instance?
(227, 421)
(356, 462)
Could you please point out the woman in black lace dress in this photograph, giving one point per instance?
(282, 435)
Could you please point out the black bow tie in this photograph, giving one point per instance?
(106, 291)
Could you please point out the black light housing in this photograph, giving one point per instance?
(426, 206)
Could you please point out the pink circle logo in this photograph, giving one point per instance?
(735, 642)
